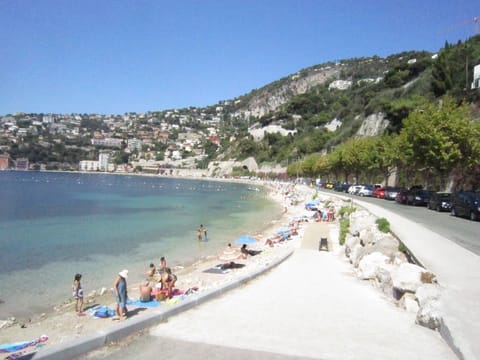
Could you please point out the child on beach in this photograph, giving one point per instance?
(77, 293)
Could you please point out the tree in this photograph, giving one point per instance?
(437, 139)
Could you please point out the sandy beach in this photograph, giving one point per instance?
(64, 325)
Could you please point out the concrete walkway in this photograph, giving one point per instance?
(310, 306)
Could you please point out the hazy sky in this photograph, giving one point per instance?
(116, 56)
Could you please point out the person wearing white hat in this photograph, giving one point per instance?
(120, 286)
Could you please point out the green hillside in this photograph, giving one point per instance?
(410, 83)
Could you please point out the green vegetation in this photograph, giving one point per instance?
(344, 225)
(345, 211)
(383, 225)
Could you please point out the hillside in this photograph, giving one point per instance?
(329, 103)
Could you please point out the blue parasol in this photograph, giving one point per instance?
(245, 239)
(283, 230)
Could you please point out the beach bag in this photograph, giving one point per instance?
(160, 296)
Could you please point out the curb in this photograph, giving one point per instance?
(88, 343)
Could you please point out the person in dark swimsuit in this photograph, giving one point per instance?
(77, 293)
(168, 281)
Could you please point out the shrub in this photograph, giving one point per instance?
(344, 225)
(346, 210)
(383, 225)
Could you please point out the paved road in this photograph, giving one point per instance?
(462, 231)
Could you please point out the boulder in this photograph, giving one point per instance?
(428, 293)
(409, 303)
(350, 243)
(398, 258)
(384, 279)
(361, 219)
(369, 265)
(356, 254)
(429, 315)
(407, 277)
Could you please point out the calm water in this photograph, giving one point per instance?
(53, 225)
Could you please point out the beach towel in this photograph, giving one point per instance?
(13, 347)
(148, 304)
(176, 292)
(101, 312)
(224, 268)
(216, 270)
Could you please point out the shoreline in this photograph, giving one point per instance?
(63, 317)
(25, 310)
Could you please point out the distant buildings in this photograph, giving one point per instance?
(21, 164)
(5, 162)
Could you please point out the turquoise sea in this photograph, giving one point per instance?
(53, 225)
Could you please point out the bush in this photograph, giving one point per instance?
(344, 225)
(346, 210)
(383, 225)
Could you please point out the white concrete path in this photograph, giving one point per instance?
(310, 306)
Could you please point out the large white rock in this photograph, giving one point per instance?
(409, 303)
(428, 298)
(369, 265)
(356, 254)
(350, 243)
(384, 279)
(428, 293)
(429, 315)
(360, 220)
(407, 277)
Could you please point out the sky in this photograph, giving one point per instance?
(118, 56)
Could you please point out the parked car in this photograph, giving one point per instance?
(329, 185)
(466, 204)
(341, 187)
(353, 189)
(440, 201)
(402, 196)
(419, 197)
(391, 193)
(379, 193)
(365, 190)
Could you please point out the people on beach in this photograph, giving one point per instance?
(120, 287)
(77, 293)
(145, 292)
(168, 281)
(200, 232)
(163, 265)
(152, 270)
(229, 253)
(245, 252)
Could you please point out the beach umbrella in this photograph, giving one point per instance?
(283, 230)
(245, 239)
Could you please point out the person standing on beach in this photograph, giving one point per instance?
(200, 232)
(120, 286)
(77, 293)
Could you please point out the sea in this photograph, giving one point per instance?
(54, 225)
